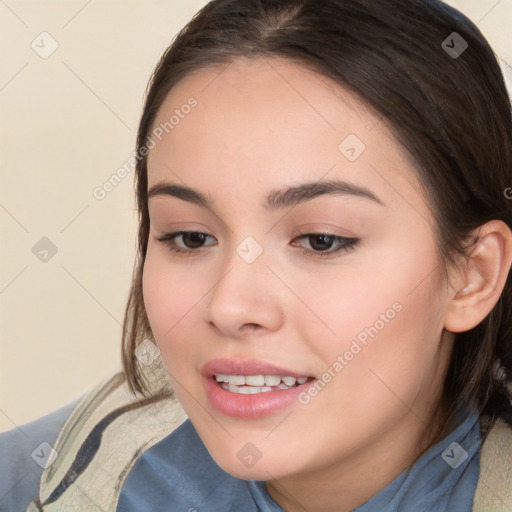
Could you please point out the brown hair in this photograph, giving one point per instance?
(451, 114)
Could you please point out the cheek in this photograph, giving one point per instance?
(358, 299)
(382, 315)
(169, 296)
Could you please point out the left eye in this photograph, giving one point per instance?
(322, 242)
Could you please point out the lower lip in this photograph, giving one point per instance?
(259, 405)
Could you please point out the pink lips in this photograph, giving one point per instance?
(246, 367)
(249, 406)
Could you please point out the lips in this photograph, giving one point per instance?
(251, 389)
(247, 367)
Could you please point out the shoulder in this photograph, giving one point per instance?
(494, 490)
(103, 438)
(24, 452)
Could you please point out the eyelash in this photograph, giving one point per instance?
(346, 244)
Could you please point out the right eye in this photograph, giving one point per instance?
(192, 240)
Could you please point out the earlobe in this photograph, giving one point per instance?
(482, 279)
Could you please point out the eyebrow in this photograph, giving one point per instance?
(277, 199)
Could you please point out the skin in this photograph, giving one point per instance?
(259, 126)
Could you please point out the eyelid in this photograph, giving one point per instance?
(316, 228)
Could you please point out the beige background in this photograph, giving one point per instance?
(68, 122)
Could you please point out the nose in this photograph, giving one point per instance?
(247, 299)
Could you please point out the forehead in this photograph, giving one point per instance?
(262, 123)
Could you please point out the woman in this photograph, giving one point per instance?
(324, 256)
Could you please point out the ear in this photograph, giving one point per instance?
(482, 277)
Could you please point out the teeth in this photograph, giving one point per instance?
(249, 390)
(251, 384)
(272, 380)
(255, 380)
(237, 380)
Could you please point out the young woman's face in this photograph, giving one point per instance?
(356, 308)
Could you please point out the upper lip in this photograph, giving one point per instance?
(246, 367)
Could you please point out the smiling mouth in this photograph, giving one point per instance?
(253, 384)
